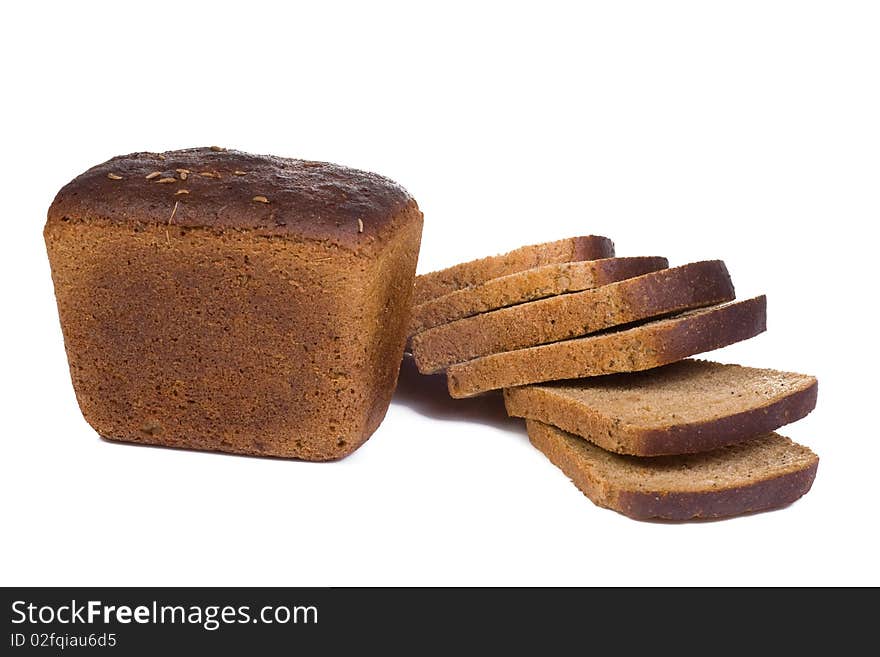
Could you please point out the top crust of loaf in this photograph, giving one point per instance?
(227, 189)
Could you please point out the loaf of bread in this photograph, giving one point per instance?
(529, 285)
(466, 274)
(685, 407)
(212, 299)
(573, 315)
(764, 473)
(641, 347)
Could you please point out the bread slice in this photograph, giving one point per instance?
(437, 283)
(529, 285)
(573, 315)
(628, 350)
(765, 473)
(689, 406)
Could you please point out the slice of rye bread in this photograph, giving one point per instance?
(632, 349)
(689, 406)
(529, 285)
(437, 283)
(573, 315)
(766, 473)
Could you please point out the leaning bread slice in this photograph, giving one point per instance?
(529, 285)
(685, 407)
(573, 315)
(765, 473)
(437, 283)
(628, 350)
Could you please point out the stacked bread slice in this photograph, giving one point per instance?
(594, 352)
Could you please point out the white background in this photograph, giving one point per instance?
(747, 131)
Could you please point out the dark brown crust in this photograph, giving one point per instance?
(592, 247)
(680, 439)
(306, 200)
(437, 283)
(529, 285)
(762, 496)
(567, 316)
(638, 348)
(704, 436)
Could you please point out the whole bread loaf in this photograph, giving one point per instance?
(213, 299)
(689, 406)
(573, 315)
(640, 347)
(466, 274)
(765, 473)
